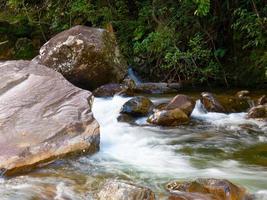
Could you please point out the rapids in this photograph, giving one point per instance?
(213, 145)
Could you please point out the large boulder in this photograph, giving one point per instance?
(137, 106)
(85, 56)
(210, 103)
(173, 117)
(43, 117)
(121, 190)
(213, 189)
(184, 102)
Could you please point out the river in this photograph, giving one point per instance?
(213, 145)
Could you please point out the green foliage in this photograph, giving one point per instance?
(199, 41)
(203, 7)
(249, 28)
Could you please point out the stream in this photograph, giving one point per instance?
(213, 145)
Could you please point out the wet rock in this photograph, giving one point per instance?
(234, 104)
(155, 88)
(160, 106)
(258, 112)
(184, 102)
(85, 56)
(109, 90)
(43, 117)
(137, 106)
(215, 189)
(129, 83)
(243, 94)
(262, 100)
(169, 117)
(190, 196)
(126, 118)
(240, 102)
(210, 103)
(120, 190)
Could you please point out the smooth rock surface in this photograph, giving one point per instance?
(137, 106)
(120, 190)
(184, 102)
(85, 56)
(43, 117)
(169, 117)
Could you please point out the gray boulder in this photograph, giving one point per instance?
(43, 117)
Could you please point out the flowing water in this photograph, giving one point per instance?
(213, 145)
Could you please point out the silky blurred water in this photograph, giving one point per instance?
(213, 145)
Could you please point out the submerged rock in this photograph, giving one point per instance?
(213, 189)
(190, 196)
(258, 112)
(210, 103)
(169, 117)
(43, 117)
(120, 190)
(184, 102)
(85, 56)
(137, 106)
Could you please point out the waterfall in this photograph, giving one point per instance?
(134, 76)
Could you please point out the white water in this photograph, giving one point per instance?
(149, 153)
(232, 121)
(133, 76)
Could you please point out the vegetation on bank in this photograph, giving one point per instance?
(192, 41)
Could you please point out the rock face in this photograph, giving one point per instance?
(169, 117)
(258, 112)
(85, 56)
(42, 117)
(213, 189)
(137, 106)
(184, 102)
(210, 103)
(119, 190)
